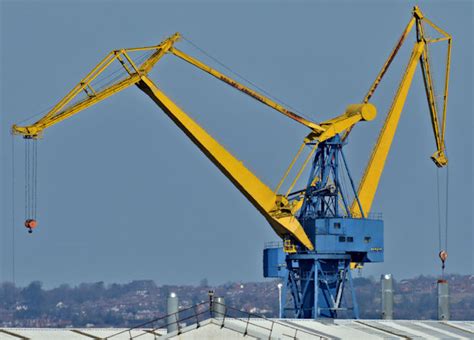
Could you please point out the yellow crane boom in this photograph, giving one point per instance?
(259, 194)
(278, 211)
(370, 180)
(275, 207)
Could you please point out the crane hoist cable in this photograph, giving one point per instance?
(433, 101)
(443, 226)
(13, 206)
(31, 183)
(31, 151)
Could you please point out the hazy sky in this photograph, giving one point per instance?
(122, 193)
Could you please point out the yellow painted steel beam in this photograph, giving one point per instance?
(446, 88)
(439, 157)
(259, 194)
(161, 50)
(287, 172)
(300, 171)
(276, 210)
(354, 114)
(35, 130)
(389, 60)
(370, 180)
(261, 98)
(64, 109)
(384, 68)
(330, 128)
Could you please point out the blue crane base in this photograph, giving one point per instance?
(315, 283)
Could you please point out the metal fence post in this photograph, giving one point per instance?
(247, 326)
(196, 316)
(271, 331)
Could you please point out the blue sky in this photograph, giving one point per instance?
(123, 195)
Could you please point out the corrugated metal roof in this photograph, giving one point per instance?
(260, 328)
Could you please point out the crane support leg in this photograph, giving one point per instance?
(317, 284)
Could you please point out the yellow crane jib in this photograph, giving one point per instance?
(279, 212)
(263, 198)
(261, 98)
(66, 107)
(276, 208)
(420, 54)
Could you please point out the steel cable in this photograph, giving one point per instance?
(439, 209)
(35, 177)
(26, 178)
(13, 209)
(447, 209)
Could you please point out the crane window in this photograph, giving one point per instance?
(350, 239)
(367, 239)
(342, 239)
(337, 225)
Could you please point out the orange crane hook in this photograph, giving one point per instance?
(30, 224)
(443, 255)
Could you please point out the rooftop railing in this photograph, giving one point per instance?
(222, 315)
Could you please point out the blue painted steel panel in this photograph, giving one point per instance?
(274, 264)
(362, 238)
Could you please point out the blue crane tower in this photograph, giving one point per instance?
(316, 280)
(340, 229)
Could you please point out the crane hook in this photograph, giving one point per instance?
(443, 255)
(30, 224)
